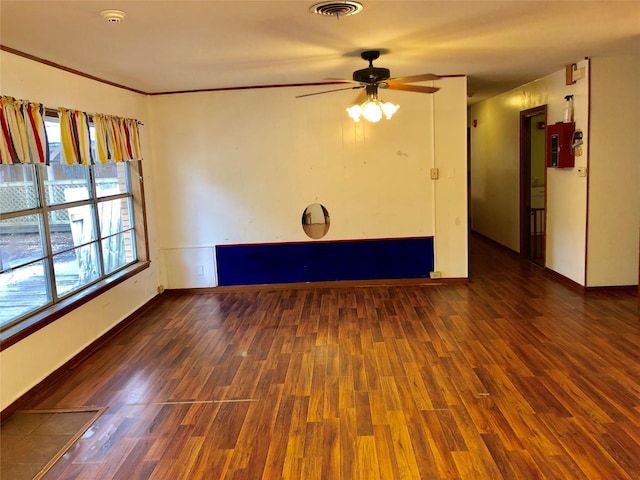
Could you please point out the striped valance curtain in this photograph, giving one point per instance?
(23, 137)
(117, 138)
(75, 138)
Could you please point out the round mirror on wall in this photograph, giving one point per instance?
(315, 221)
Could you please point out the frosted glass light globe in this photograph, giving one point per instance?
(389, 109)
(354, 112)
(372, 111)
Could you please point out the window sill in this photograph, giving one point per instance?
(20, 331)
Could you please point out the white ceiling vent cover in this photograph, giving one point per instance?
(336, 9)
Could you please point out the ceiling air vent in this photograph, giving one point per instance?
(336, 9)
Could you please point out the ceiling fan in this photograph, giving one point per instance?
(369, 80)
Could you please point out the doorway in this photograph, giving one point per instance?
(533, 179)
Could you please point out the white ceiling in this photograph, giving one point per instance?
(165, 46)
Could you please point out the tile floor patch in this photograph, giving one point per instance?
(33, 440)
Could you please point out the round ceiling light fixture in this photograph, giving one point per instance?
(113, 16)
(336, 8)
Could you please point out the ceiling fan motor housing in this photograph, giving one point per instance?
(371, 75)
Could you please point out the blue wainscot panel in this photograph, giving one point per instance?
(375, 259)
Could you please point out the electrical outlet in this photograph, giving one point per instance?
(435, 174)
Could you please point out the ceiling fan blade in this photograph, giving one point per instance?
(412, 88)
(342, 80)
(329, 91)
(413, 78)
(362, 96)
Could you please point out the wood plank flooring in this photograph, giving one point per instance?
(513, 376)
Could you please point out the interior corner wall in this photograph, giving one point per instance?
(26, 363)
(241, 166)
(451, 189)
(614, 172)
(495, 172)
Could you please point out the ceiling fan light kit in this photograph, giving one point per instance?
(372, 110)
(367, 104)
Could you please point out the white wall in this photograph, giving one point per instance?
(614, 172)
(451, 195)
(26, 363)
(495, 180)
(241, 167)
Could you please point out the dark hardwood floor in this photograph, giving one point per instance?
(513, 376)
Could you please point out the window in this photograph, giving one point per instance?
(64, 229)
